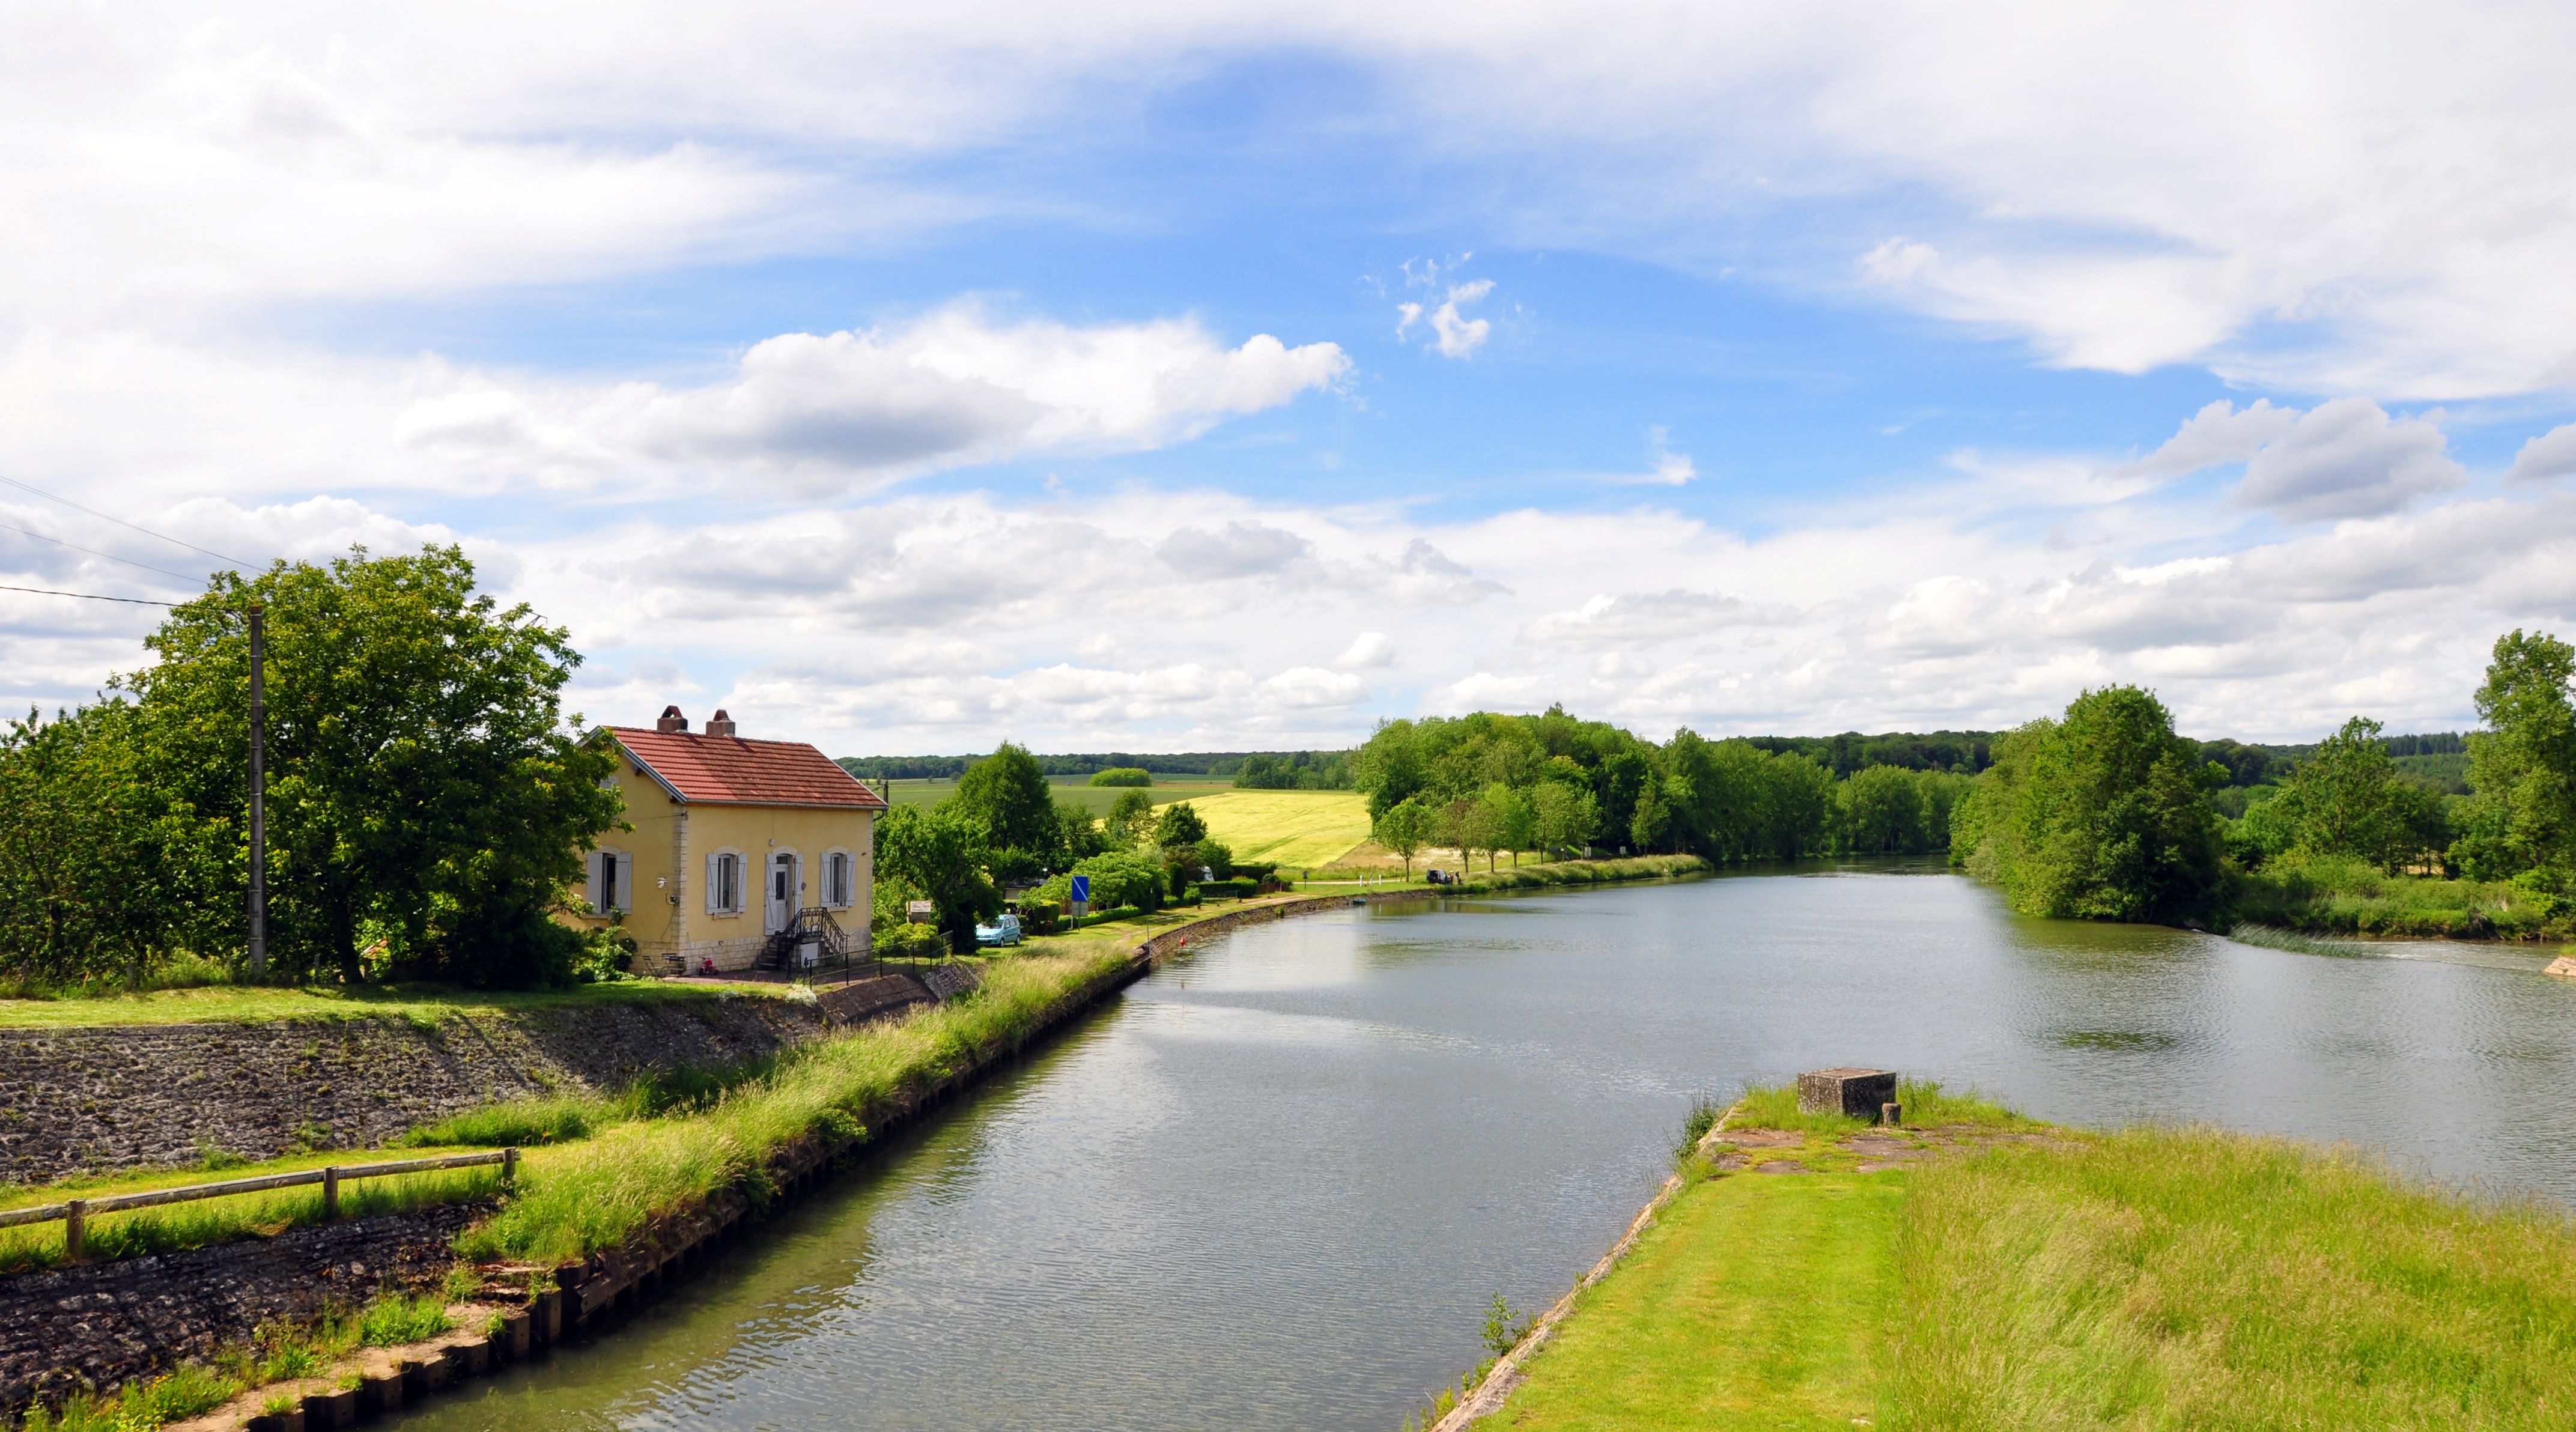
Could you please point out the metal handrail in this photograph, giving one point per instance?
(76, 1212)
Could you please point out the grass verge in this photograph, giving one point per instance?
(252, 1004)
(2024, 1277)
(578, 1199)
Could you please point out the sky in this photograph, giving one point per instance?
(1147, 376)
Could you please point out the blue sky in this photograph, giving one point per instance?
(1172, 376)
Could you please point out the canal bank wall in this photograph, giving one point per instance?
(112, 1098)
(112, 1323)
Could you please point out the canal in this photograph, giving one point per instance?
(1275, 1184)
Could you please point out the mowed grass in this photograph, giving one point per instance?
(248, 1004)
(1297, 829)
(1754, 1301)
(2149, 1279)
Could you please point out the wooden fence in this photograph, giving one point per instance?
(75, 1213)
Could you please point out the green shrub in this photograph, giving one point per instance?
(1123, 776)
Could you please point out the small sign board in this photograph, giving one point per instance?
(1081, 896)
(921, 912)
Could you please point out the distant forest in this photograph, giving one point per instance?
(2439, 759)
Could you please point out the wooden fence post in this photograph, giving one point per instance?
(509, 1166)
(331, 1194)
(75, 1228)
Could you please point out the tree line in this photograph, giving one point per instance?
(1555, 784)
(428, 798)
(1005, 825)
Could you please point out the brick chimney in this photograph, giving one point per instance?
(672, 720)
(720, 724)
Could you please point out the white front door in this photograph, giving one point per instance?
(782, 893)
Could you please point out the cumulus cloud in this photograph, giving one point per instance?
(2550, 456)
(824, 410)
(2347, 458)
(1646, 617)
(2218, 433)
(1367, 650)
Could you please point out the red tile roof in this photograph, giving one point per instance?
(728, 770)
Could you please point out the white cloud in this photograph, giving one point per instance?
(2346, 458)
(2547, 457)
(2309, 195)
(2218, 433)
(1452, 334)
(1367, 650)
(823, 411)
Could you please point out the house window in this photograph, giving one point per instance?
(611, 881)
(838, 872)
(724, 883)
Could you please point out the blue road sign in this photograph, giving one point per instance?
(1082, 889)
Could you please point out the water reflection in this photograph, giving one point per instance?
(1273, 1186)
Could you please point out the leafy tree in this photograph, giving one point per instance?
(1389, 768)
(1405, 828)
(1261, 772)
(1130, 817)
(91, 863)
(1078, 836)
(1566, 815)
(1511, 819)
(1883, 812)
(2102, 815)
(2522, 768)
(2349, 799)
(425, 786)
(942, 851)
(1123, 776)
(1008, 792)
(1118, 878)
(1179, 826)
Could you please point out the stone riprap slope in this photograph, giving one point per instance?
(147, 1096)
(98, 1325)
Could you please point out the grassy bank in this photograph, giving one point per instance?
(1581, 872)
(249, 1004)
(2003, 1275)
(577, 1199)
(2350, 897)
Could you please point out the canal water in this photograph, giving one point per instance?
(1275, 1184)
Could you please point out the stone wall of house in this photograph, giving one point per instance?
(96, 1325)
(140, 1096)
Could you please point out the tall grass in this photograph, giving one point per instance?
(603, 1192)
(2196, 1279)
(173, 1227)
(2272, 938)
(1582, 872)
(1927, 1105)
(561, 1118)
(2339, 896)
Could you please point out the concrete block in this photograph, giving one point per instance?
(381, 1390)
(325, 1410)
(1857, 1093)
(517, 1330)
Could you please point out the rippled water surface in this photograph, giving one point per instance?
(1274, 1185)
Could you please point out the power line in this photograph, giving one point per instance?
(87, 596)
(93, 551)
(121, 522)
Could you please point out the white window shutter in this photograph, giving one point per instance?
(715, 892)
(590, 868)
(625, 882)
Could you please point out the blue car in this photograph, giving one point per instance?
(1005, 932)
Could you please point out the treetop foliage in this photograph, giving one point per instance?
(429, 800)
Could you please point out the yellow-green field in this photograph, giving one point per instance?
(1295, 828)
(1077, 790)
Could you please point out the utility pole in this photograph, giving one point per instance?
(258, 794)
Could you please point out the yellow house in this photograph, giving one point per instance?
(743, 852)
